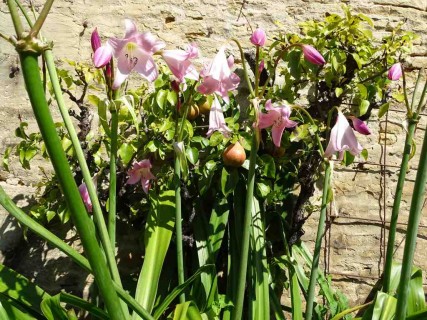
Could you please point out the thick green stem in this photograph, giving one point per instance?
(97, 210)
(243, 267)
(113, 180)
(396, 204)
(318, 244)
(415, 212)
(84, 224)
(178, 227)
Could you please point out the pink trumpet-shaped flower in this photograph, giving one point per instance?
(360, 126)
(141, 171)
(218, 78)
(258, 37)
(216, 119)
(102, 54)
(278, 119)
(85, 196)
(312, 55)
(134, 52)
(179, 63)
(395, 72)
(342, 139)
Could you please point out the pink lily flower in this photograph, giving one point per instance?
(342, 139)
(395, 72)
(179, 63)
(258, 37)
(360, 126)
(278, 119)
(85, 197)
(216, 119)
(312, 55)
(102, 54)
(134, 52)
(141, 172)
(218, 78)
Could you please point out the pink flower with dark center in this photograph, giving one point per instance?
(85, 196)
(278, 119)
(342, 139)
(360, 126)
(179, 63)
(216, 119)
(141, 171)
(218, 78)
(312, 55)
(395, 72)
(258, 37)
(102, 54)
(134, 52)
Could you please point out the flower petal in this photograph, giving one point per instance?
(149, 43)
(130, 27)
(119, 78)
(102, 56)
(146, 66)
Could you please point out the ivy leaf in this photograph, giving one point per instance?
(363, 107)
(269, 167)
(192, 155)
(383, 109)
(229, 180)
(126, 152)
(338, 92)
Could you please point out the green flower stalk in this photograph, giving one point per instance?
(415, 212)
(113, 179)
(84, 224)
(318, 244)
(396, 203)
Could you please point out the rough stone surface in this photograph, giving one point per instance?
(355, 244)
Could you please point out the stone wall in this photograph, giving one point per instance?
(355, 242)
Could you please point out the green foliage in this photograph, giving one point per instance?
(149, 124)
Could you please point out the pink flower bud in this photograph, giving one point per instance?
(312, 55)
(95, 40)
(261, 66)
(360, 126)
(258, 37)
(395, 72)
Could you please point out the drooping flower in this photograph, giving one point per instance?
(218, 78)
(216, 119)
(395, 72)
(85, 196)
(258, 37)
(342, 139)
(312, 55)
(360, 126)
(102, 54)
(179, 63)
(141, 171)
(134, 52)
(278, 119)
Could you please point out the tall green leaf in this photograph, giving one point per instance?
(385, 307)
(19, 288)
(157, 237)
(13, 310)
(260, 300)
